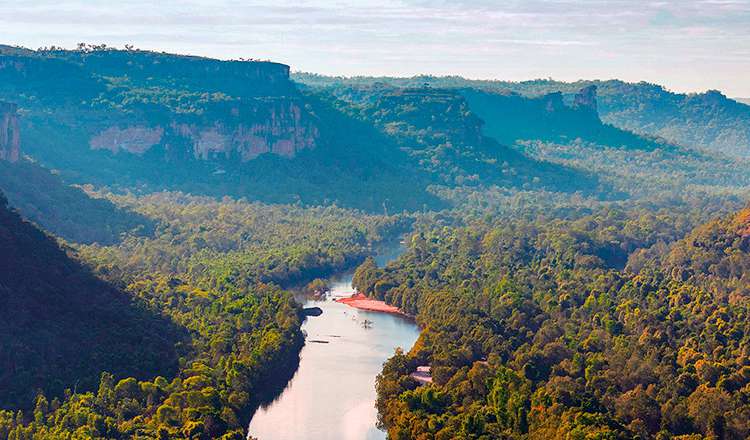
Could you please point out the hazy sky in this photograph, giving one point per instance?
(686, 45)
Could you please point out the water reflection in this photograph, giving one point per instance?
(332, 394)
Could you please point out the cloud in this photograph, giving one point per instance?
(667, 41)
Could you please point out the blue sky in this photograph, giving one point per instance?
(686, 45)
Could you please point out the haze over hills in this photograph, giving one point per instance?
(561, 249)
(137, 119)
(707, 120)
(235, 128)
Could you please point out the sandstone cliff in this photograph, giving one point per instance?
(9, 132)
(133, 102)
(242, 131)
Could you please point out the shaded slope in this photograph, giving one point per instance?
(66, 211)
(155, 121)
(60, 327)
(707, 120)
(509, 117)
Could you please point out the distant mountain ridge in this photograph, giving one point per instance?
(145, 120)
(150, 121)
(707, 120)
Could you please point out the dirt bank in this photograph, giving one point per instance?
(362, 302)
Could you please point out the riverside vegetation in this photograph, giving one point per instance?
(209, 276)
(577, 254)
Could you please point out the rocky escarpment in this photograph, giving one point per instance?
(429, 116)
(585, 100)
(53, 75)
(584, 104)
(134, 102)
(242, 131)
(9, 132)
(510, 117)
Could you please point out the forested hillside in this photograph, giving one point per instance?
(131, 119)
(210, 273)
(138, 120)
(447, 140)
(541, 329)
(577, 253)
(707, 120)
(477, 140)
(65, 211)
(61, 326)
(143, 120)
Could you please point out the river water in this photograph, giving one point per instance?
(332, 394)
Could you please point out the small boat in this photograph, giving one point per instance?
(366, 323)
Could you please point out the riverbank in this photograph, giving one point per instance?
(332, 394)
(362, 302)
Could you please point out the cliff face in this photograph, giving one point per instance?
(585, 100)
(509, 117)
(9, 132)
(431, 116)
(51, 76)
(241, 131)
(133, 102)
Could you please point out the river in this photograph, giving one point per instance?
(332, 394)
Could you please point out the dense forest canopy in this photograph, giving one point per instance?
(209, 275)
(577, 254)
(592, 328)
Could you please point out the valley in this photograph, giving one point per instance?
(573, 263)
(332, 394)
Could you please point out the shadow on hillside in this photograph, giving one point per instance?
(61, 327)
(66, 211)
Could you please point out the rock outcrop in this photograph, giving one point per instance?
(421, 111)
(585, 100)
(9, 132)
(553, 102)
(136, 139)
(245, 131)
